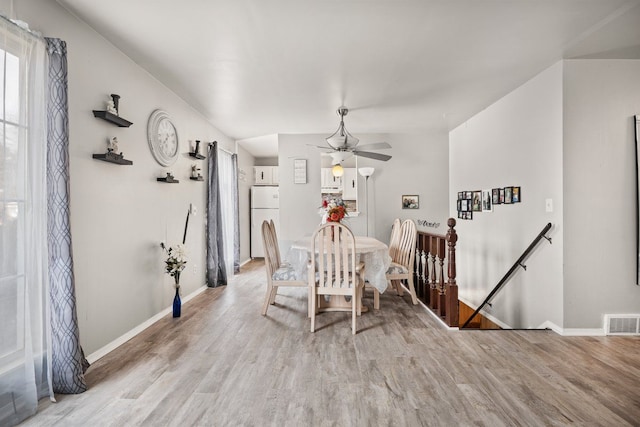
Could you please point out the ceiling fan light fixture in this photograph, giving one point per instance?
(337, 170)
(340, 156)
(341, 138)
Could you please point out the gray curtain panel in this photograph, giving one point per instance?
(216, 271)
(68, 362)
(236, 216)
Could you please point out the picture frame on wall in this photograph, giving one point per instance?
(508, 195)
(468, 194)
(464, 205)
(487, 206)
(516, 195)
(460, 195)
(476, 204)
(299, 171)
(495, 196)
(410, 202)
(501, 196)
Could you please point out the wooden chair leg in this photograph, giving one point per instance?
(360, 293)
(354, 304)
(274, 292)
(412, 289)
(376, 299)
(267, 299)
(398, 286)
(313, 310)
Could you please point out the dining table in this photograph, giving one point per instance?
(371, 251)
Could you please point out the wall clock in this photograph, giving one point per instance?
(163, 138)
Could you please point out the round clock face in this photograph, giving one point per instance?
(163, 138)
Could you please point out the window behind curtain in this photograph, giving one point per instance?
(12, 204)
(23, 224)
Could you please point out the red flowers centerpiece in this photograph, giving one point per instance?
(334, 210)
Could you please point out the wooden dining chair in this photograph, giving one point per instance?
(394, 240)
(402, 262)
(334, 269)
(278, 273)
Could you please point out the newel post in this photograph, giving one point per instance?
(451, 304)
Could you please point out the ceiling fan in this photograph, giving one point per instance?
(344, 145)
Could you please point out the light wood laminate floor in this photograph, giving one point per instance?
(223, 364)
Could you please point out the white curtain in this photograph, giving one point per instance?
(24, 371)
(227, 205)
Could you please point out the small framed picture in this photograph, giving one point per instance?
(460, 195)
(300, 171)
(508, 195)
(501, 196)
(495, 196)
(468, 194)
(460, 214)
(476, 205)
(515, 195)
(486, 201)
(410, 202)
(464, 205)
(459, 205)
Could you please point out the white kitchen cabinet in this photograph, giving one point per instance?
(328, 181)
(350, 184)
(265, 175)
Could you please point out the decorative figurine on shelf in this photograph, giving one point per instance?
(169, 176)
(197, 149)
(116, 101)
(113, 145)
(111, 107)
(194, 171)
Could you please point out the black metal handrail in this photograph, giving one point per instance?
(513, 268)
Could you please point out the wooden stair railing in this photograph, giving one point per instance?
(432, 251)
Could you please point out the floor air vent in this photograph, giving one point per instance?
(622, 324)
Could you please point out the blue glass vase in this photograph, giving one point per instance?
(177, 304)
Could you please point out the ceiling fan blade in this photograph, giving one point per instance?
(324, 147)
(370, 155)
(375, 146)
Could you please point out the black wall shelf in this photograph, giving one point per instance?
(197, 156)
(199, 178)
(168, 180)
(113, 158)
(112, 118)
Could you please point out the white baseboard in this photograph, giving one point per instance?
(572, 332)
(248, 260)
(141, 327)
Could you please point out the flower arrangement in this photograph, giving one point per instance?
(176, 260)
(334, 209)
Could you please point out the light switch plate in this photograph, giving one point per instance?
(548, 205)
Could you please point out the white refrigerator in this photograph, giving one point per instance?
(265, 203)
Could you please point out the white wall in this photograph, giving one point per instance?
(119, 214)
(601, 97)
(517, 141)
(418, 166)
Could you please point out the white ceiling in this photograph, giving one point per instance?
(258, 67)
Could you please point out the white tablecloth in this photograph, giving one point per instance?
(373, 253)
